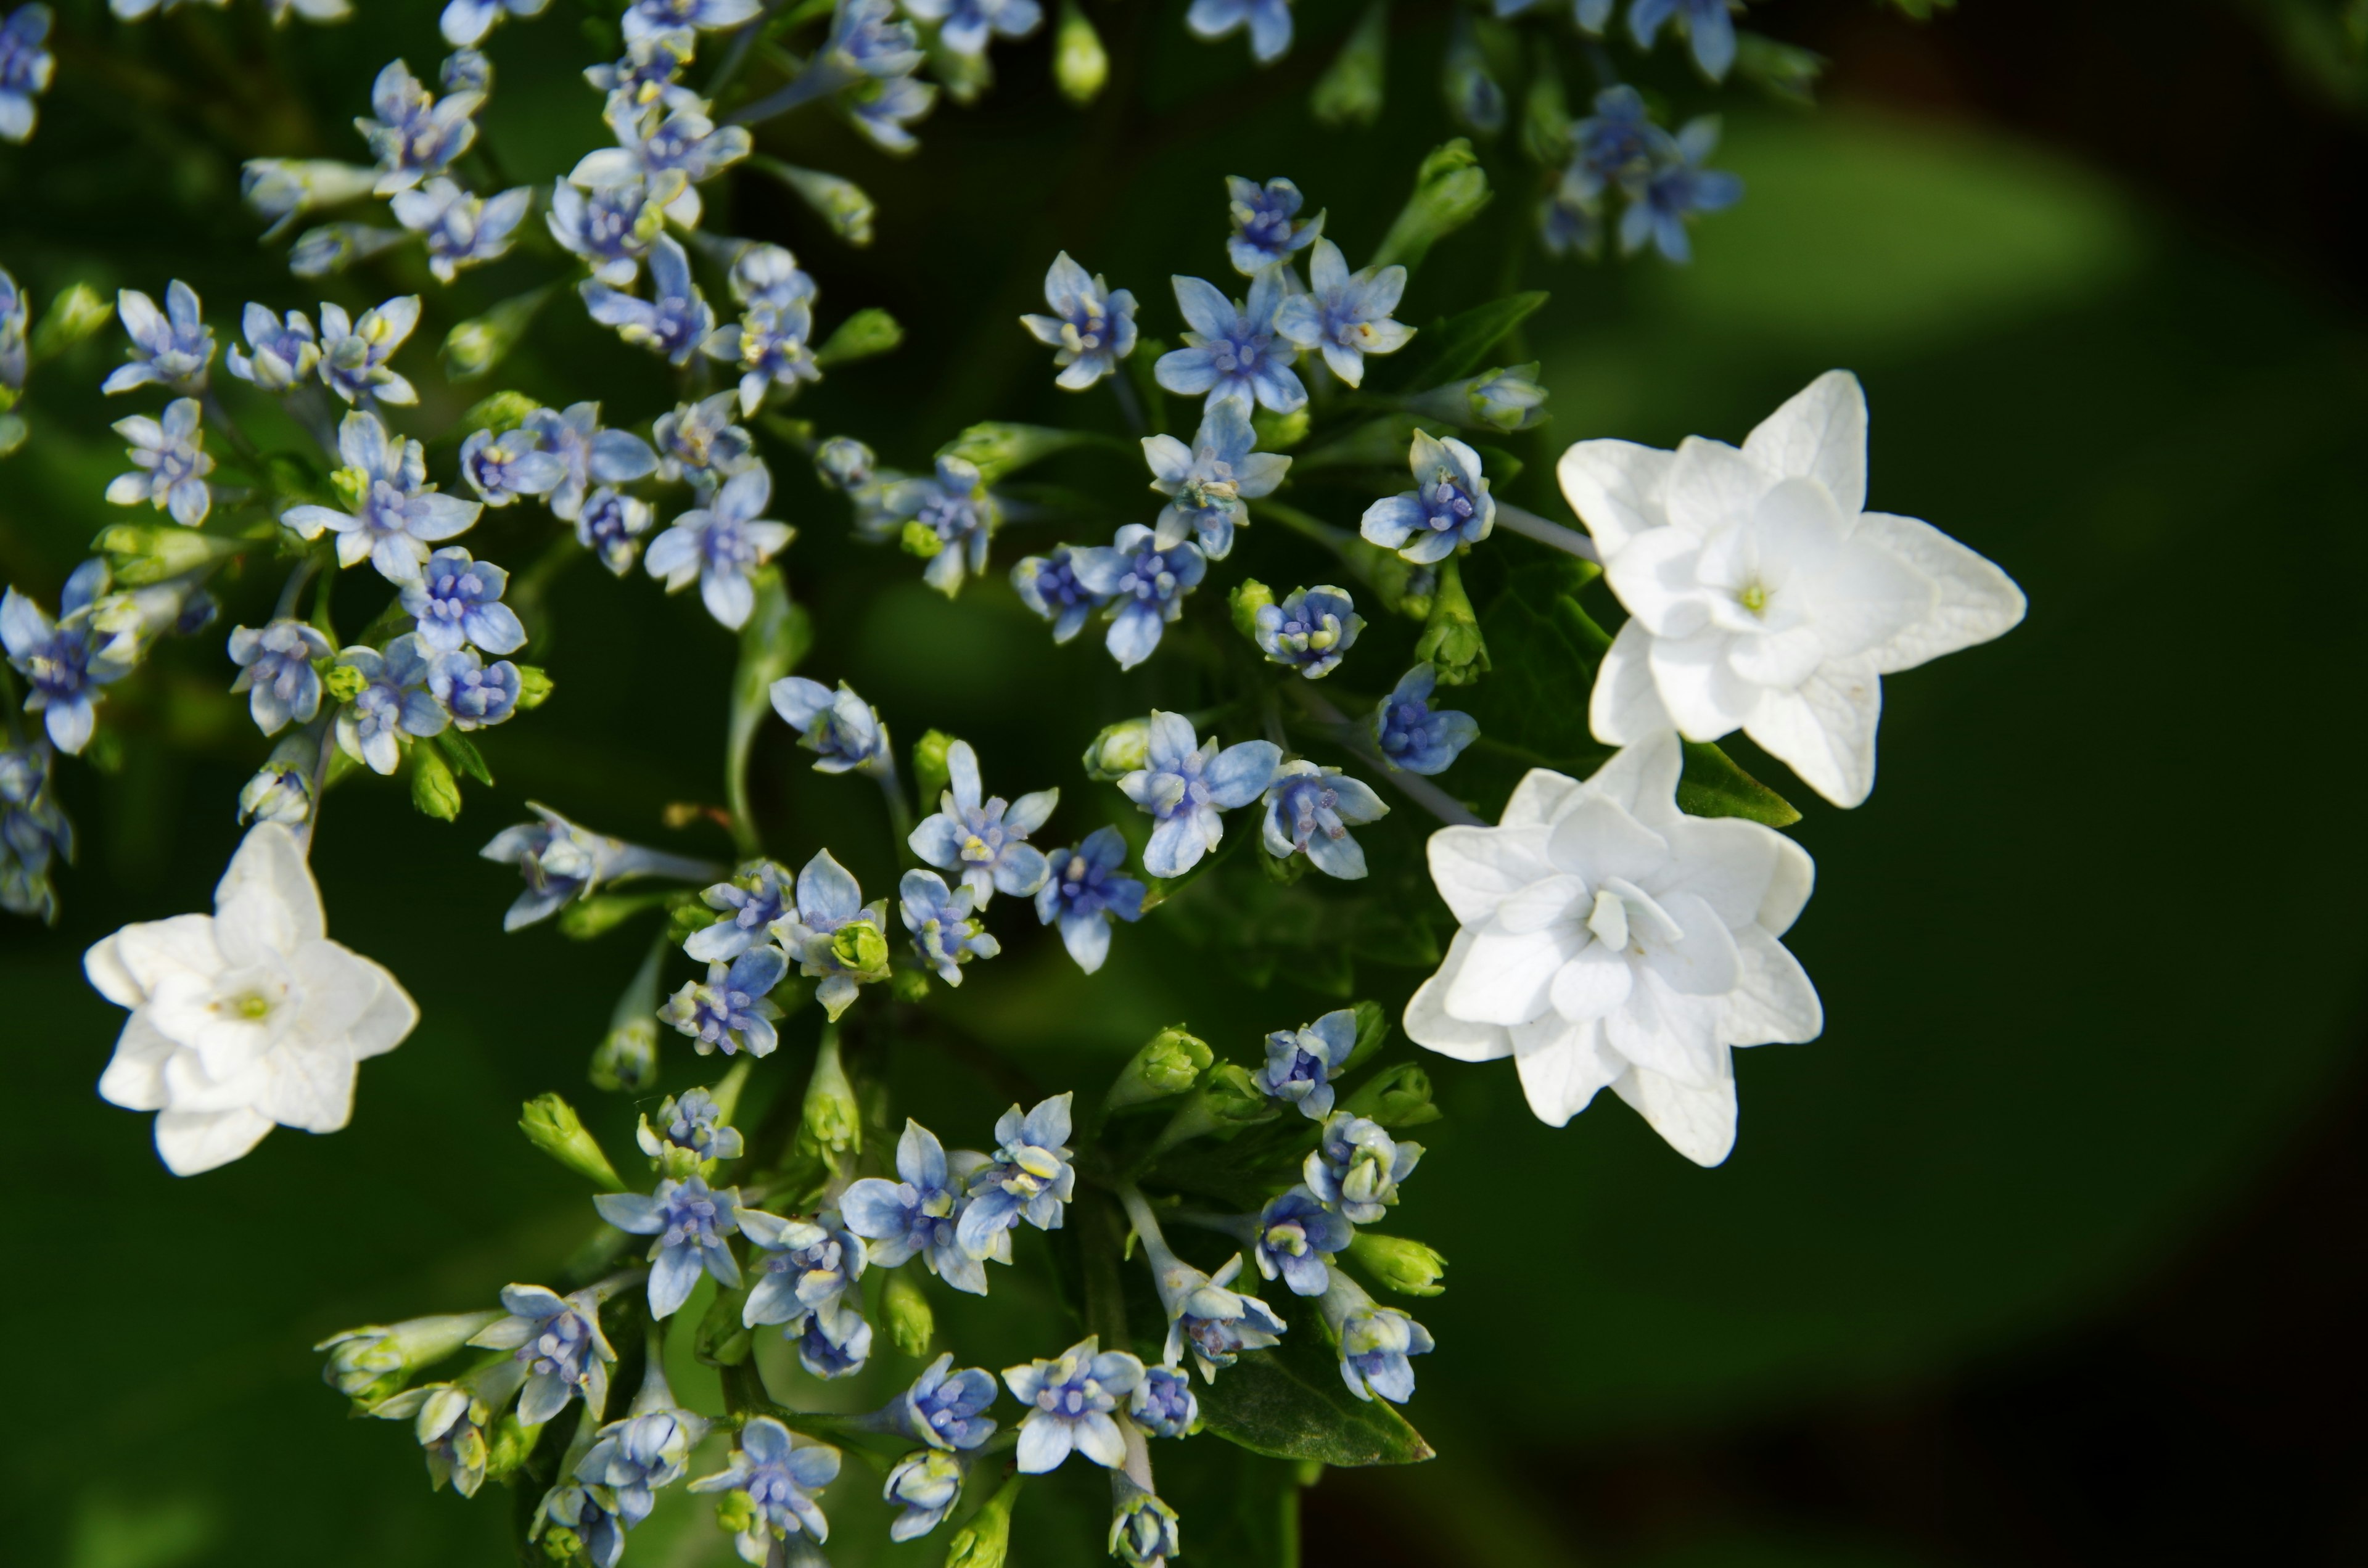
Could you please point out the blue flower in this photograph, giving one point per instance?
(951, 519)
(466, 21)
(769, 345)
(747, 904)
(1592, 16)
(502, 468)
(396, 514)
(1310, 630)
(1144, 583)
(1234, 352)
(1217, 1323)
(882, 107)
(776, 1476)
(559, 860)
(1358, 1166)
(458, 600)
(1450, 505)
(476, 693)
(395, 701)
(171, 463)
(612, 227)
(1208, 482)
(925, 1485)
(1163, 1405)
(1302, 1063)
(1091, 327)
(65, 661)
(979, 837)
(286, 352)
(333, 247)
(281, 792)
(276, 670)
(942, 1407)
(648, 19)
(580, 1509)
(1072, 1400)
(944, 934)
(1375, 1341)
(170, 348)
(845, 463)
(15, 316)
(610, 524)
(1310, 810)
(1085, 891)
(668, 142)
(1413, 736)
(1660, 203)
(1709, 29)
(653, 59)
(33, 832)
(867, 37)
(1028, 1177)
(842, 730)
(462, 230)
(694, 1122)
(917, 1215)
(807, 1284)
(416, 134)
(451, 1421)
(1048, 585)
(1347, 315)
(25, 69)
(674, 321)
(769, 275)
(1296, 1236)
(967, 24)
(699, 442)
(1145, 1532)
(1570, 221)
(649, 1449)
(833, 933)
(354, 352)
(588, 454)
(1269, 22)
(1263, 216)
(689, 1222)
(722, 545)
(1184, 785)
(558, 1340)
(1612, 146)
(729, 1007)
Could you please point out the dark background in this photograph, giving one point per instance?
(2048, 1253)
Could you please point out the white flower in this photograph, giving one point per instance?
(1763, 596)
(243, 1018)
(1609, 939)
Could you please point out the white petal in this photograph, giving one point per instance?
(1552, 900)
(1820, 434)
(1867, 597)
(1562, 1066)
(135, 1078)
(1657, 577)
(1507, 979)
(1698, 1122)
(1713, 486)
(1618, 488)
(1728, 861)
(1977, 601)
(266, 902)
(191, 1142)
(311, 1085)
(1665, 1033)
(1430, 1024)
(1773, 1001)
(147, 953)
(1642, 778)
(1824, 730)
(337, 986)
(1704, 695)
(1702, 961)
(1624, 707)
(1597, 839)
(386, 1020)
(1538, 799)
(1476, 869)
(1593, 983)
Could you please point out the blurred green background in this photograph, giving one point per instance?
(2046, 1253)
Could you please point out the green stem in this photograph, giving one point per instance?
(775, 637)
(1105, 1292)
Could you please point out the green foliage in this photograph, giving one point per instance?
(1289, 1402)
(1460, 343)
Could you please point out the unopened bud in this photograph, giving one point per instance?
(1472, 96)
(862, 335)
(344, 682)
(1279, 432)
(1120, 749)
(832, 1120)
(911, 1324)
(840, 203)
(138, 554)
(986, 1540)
(282, 188)
(501, 412)
(1248, 598)
(333, 247)
(281, 792)
(997, 447)
(434, 792)
(627, 1059)
(1410, 1267)
(534, 687)
(1080, 63)
(1450, 189)
(72, 317)
(1372, 1029)
(1170, 1065)
(930, 775)
(919, 539)
(474, 346)
(368, 1365)
(551, 1125)
(1450, 638)
(859, 946)
(1397, 1096)
(843, 462)
(1349, 91)
(512, 1441)
(1546, 117)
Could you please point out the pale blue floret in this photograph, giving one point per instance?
(1345, 315)
(1450, 506)
(285, 351)
(276, 671)
(1301, 1065)
(768, 343)
(1163, 1405)
(1145, 1532)
(806, 1283)
(868, 37)
(25, 69)
(943, 1408)
(611, 227)
(917, 1215)
(1269, 22)
(1208, 482)
(1375, 1341)
(1072, 1401)
(585, 1511)
(333, 247)
(769, 275)
(694, 1122)
(506, 467)
(1310, 810)
(697, 441)
(1311, 631)
(1613, 146)
(395, 703)
(758, 894)
(66, 661)
(925, 1486)
(653, 60)
(588, 454)
(689, 1222)
(674, 321)
(842, 730)
(354, 352)
(170, 463)
(1048, 585)
(1232, 350)
(1296, 1237)
(560, 861)
(835, 937)
(557, 1340)
(945, 934)
(458, 601)
(281, 790)
(1709, 29)
(1206, 1314)
(650, 19)
(722, 545)
(1357, 1167)
(649, 1449)
(729, 1009)
(1414, 736)
(1145, 587)
(1185, 783)
(882, 106)
(416, 135)
(16, 318)
(668, 142)
(466, 71)
(33, 832)
(966, 25)
(462, 230)
(978, 838)
(170, 348)
(1662, 201)
(953, 506)
(1028, 1177)
(476, 693)
(399, 515)
(611, 525)
(1091, 327)
(779, 1476)
(466, 21)
(1086, 892)
(1266, 225)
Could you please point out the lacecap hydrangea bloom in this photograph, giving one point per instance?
(1091, 327)
(1208, 482)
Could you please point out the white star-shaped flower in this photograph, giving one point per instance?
(247, 1017)
(1763, 596)
(1609, 939)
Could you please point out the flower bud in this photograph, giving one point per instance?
(986, 1540)
(534, 687)
(911, 1325)
(1397, 1264)
(281, 792)
(138, 555)
(1349, 91)
(333, 247)
(840, 203)
(1472, 96)
(1231, 1095)
(343, 682)
(859, 946)
(1450, 640)
(551, 1124)
(627, 1059)
(283, 187)
(352, 487)
(1248, 598)
(1397, 1096)
(1450, 189)
(918, 539)
(502, 412)
(1279, 432)
(13, 431)
(997, 447)
(434, 792)
(862, 335)
(513, 1441)
(1080, 63)
(1546, 117)
(1119, 750)
(832, 1121)
(474, 346)
(1144, 1531)
(930, 775)
(1170, 1065)
(367, 1365)
(74, 315)
(843, 462)
(1372, 1029)
(909, 985)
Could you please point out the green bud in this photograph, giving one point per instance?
(626, 1062)
(585, 919)
(1791, 74)
(1119, 750)
(997, 448)
(1450, 189)
(685, 916)
(1450, 638)
(963, 77)
(1349, 91)
(863, 336)
(1080, 63)
(840, 203)
(909, 985)
(931, 776)
(1279, 432)
(1170, 1065)
(551, 1125)
(919, 539)
(562, 1545)
(1395, 1097)
(13, 431)
(368, 1365)
(72, 316)
(1396, 1264)
(352, 487)
(1372, 1029)
(832, 1121)
(736, 1512)
(534, 687)
(433, 790)
(343, 682)
(1285, 871)
(513, 1441)
(474, 346)
(139, 555)
(986, 1540)
(502, 411)
(1546, 117)
(859, 946)
(1231, 1095)
(1248, 598)
(911, 1325)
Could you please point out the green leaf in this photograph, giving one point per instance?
(1714, 786)
(1289, 1403)
(1459, 342)
(464, 754)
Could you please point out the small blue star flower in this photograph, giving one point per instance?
(925, 1486)
(769, 346)
(611, 227)
(66, 661)
(354, 352)
(1232, 350)
(951, 515)
(1091, 327)
(653, 60)
(1072, 1399)
(916, 1216)
(25, 69)
(671, 143)
(451, 1421)
(722, 545)
(755, 896)
(1311, 631)
(285, 351)
(1266, 229)
(867, 37)
(1665, 199)
(769, 275)
(611, 525)
(464, 22)
(807, 1284)
(1163, 1405)
(1207, 482)
(1145, 587)
(476, 693)
(697, 441)
(15, 317)
(599, 1528)
(503, 469)
(689, 1222)
(1570, 221)
(466, 71)
(777, 1476)
(560, 861)
(462, 230)
(1375, 1341)
(1048, 585)
(1346, 314)
(1030, 1177)
(1184, 784)
(170, 463)
(33, 832)
(942, 1407)
(980, 839)
(1612, 146)
(882, 106)
(1302, 1063)
(1145, 1532)
(674, 321)
(1310, 810)
(395, 702)
(1450, 505)
(1411, 735)
(588, 454)
(835, 937)
(1086, 892)
(1217, 1323)
(693, 1122)
(415, 135)
(458, 600)
(966, 25)
(649, 18)
(647, 1450)
(276, 671)
(170, 348)
(1269, 22)
(842, 730)
(1296, 1238)
(1358, 1166)
(558, 1340)
(729, 1008)
(397, 515)
(945, 934)
(1709, 29)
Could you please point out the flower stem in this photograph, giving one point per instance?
(775, 637)
(1529, 525)
(1414, 786)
